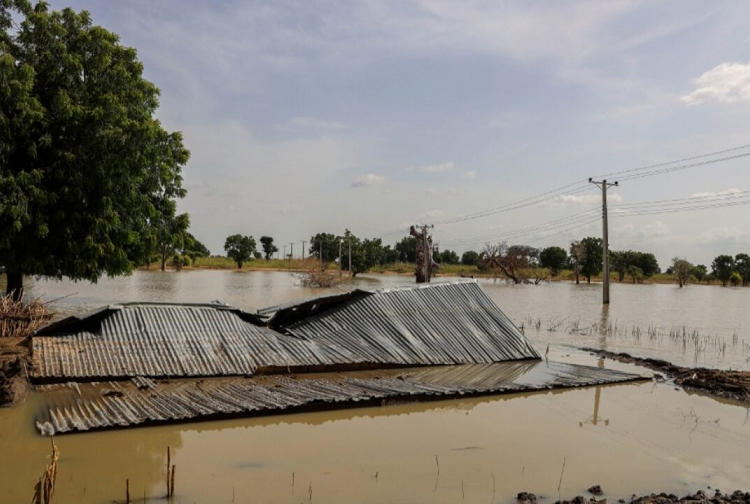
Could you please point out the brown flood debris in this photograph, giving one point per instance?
(734, 385)
(18, 321)
(700, 497)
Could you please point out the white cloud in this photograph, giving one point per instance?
(470, 175)
(449, 191)
(724, 237)
(369, 180)
(433, 168)
(713, 194)
(638, 234)
(728, 82)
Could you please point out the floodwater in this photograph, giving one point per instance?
(698, 325)
(629, 438)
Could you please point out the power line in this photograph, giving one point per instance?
(527, 230)
(626, 210)
(681, 167)
(575, 187)
(532, 201)
(715, 153)
(582, 186)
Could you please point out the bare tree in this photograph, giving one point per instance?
(513, 262)
(577, 257)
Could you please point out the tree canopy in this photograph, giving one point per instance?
(591, 264)
(554, 259)
(240, 248)
(330, 246)
(470, 258)
(85, 167)
(723, 267)
(269, 248)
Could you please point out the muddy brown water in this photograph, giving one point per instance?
(630, 438)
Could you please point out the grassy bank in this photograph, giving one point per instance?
(446, 270)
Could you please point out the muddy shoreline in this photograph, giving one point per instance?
(734, 385)
(14, 363)
(700, 497)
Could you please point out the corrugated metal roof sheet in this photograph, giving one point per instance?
(82, 407)
(451, 323)
(443, 323)
(170, 340)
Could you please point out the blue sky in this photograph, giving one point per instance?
(372, 115)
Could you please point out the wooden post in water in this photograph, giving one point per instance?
(127, 491)
(171, 483)
(169, 466)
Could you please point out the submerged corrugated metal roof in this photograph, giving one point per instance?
(443, 323)
(82, 407)
(161, 340)
(451, 323)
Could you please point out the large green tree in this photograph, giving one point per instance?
(240, 248)
(470, 258)
(172, 235)
(723, 267)
(742, 265)
(328, 243)
(592, 262)
(554, 259)
(407, 249)
(194, 248)
(85, 168)
(269, 249)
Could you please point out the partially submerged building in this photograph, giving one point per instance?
(143, 363)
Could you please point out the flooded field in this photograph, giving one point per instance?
(695, 326)
(629, 438)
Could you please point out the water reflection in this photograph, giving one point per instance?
(517, 440)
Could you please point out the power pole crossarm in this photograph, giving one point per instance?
(604, 185)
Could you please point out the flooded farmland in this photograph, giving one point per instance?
(629, 438)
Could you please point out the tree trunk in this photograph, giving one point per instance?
(588, 279)
(14, 287)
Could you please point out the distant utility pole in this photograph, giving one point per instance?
(350, 255)
(284, 251)
(425, 264)
(321, 254)
(291, 253)
(604, 185)
(340, 240)
(303, 250)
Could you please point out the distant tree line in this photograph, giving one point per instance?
(516, 263)
(724, 268)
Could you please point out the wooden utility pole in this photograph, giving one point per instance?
(321, 254)
(350, 255)
(303, 250)
(604, 185)
(340, 241)
(291, 253)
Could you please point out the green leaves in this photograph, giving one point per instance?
(89, 176)
(240, 248)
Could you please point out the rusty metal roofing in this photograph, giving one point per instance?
(442, 323)
(81, 407)
(163, 340)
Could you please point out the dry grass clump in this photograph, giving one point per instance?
(44, 491)
(315, 277)
(19, 319)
